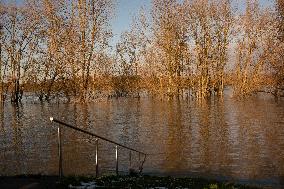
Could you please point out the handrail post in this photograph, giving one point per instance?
(97, 163)
(116, 160)
(60, 171)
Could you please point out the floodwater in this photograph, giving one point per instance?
(241, 141)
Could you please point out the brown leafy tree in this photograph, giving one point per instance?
(92, 18)
(211, 26)
(170, 37)
(278, 65)
(255, 48)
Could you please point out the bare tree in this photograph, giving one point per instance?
(54, 47)
(1, 64)
(223, 20)
(210, 25)
(171, 35)
(74, 34)
(20, 29)
(92, 18)
(254, 49)
(130, 50)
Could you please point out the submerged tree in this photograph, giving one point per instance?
(61, 47)
(170, 37)
(278, 63)
(92, 18)
(211, 24)
(20, 31)
(1, 63)
(131, 51)
(255, 49)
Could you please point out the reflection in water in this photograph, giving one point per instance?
(204, 115)
(3, 142)
(176, 140)
(222, 138)
(17, 139)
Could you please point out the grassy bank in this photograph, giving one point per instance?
(148, 182)
(119, 182)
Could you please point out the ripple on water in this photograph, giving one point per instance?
(243, 141)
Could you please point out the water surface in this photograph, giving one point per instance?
(241, 141)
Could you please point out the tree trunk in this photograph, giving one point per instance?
(1, 77)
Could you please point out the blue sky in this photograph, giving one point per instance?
(125, 10)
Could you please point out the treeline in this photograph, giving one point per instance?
(189, 47)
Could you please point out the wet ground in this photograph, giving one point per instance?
(29, 182)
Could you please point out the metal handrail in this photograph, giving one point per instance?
(95, 135)
(98, 137)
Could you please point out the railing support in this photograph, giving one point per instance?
(97, 163)
(116, 160)
(60, 170)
